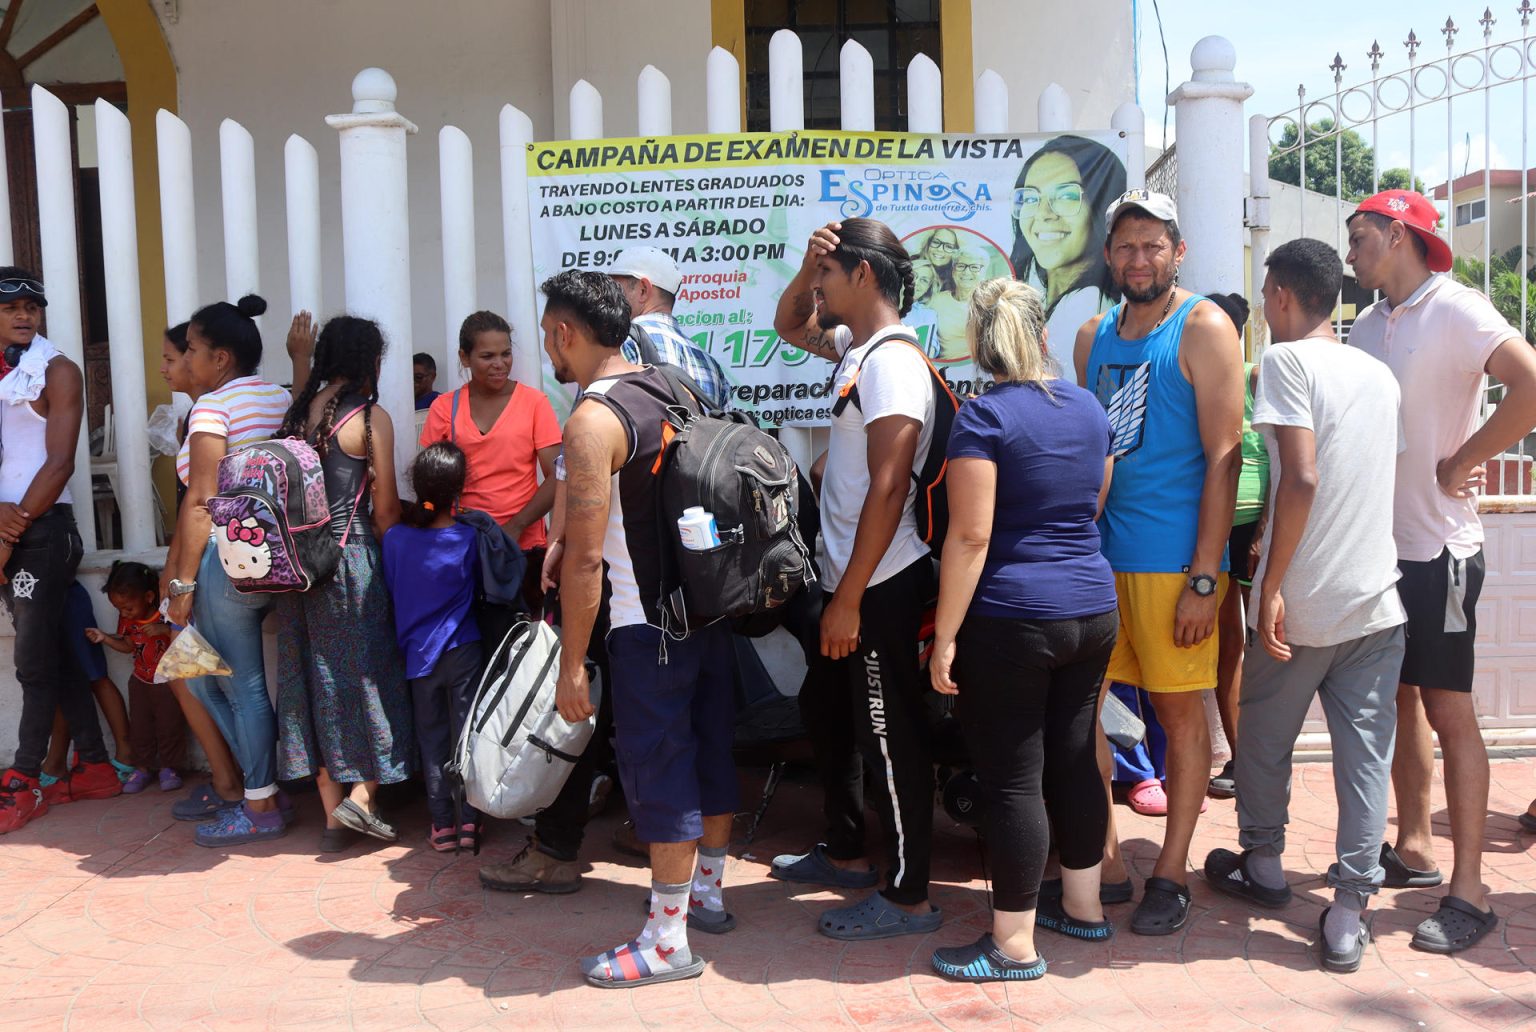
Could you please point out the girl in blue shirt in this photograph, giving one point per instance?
(431, 562)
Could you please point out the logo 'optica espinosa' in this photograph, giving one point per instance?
(904, 189)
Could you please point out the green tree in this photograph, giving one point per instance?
(1357, 156)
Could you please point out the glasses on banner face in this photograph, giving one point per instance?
(1065, 200)
(943, 245)
(976, 267)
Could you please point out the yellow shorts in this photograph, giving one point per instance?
(1145, 655)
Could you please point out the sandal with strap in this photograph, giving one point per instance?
(628, 966)
(1051, 913)
(877, 918)
(1398, 875)
(1527, 822)
(982, 961)
(1456, 926)
(1226, 871)
(443, 840)
(1164, 908)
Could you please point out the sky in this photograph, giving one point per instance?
(1282, 46)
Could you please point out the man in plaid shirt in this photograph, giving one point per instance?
(649, 279)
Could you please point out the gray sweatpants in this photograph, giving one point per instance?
(1357, 681)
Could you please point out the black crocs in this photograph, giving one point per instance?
(1227, 872)
(1164, 908)
(1348, 961)
(1398, 875)
(1050, 913)
(1456, 926)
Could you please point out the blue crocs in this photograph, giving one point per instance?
(240, 825)
(815, 868)
(877, 918)
(982, 961)
(201, 804)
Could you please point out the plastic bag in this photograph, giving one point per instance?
(190, 655)
(1120, 725)
(162, 430)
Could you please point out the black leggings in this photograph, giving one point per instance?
(1029, 705)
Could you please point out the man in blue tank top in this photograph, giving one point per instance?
(1167, 365)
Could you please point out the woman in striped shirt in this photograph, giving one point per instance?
(236, 408)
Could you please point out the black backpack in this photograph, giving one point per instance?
(721, 461)
(932, 504)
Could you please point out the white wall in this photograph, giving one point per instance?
(281, 66)
(1089, 52)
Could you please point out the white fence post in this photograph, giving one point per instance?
(457, 187)
(1258, 227)
(7, 248)
(61, 272)
(586, 111)
(242, 255)
(178, 217)
(1053, 110)
(925, 96)
(1129, 119)
(517, 248)
(1208, 114)
(786, 85)
(653, 98)
(722, 82)
(991, 103)
(301, 185)
(376, 240)
(856, 82)
(125, 326)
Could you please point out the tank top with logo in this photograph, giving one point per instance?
(1153, 510)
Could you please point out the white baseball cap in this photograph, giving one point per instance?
(1159, 206)
(650, 263)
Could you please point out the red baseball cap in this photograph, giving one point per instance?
(1415, 211)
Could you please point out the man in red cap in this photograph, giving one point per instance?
(1439, 338)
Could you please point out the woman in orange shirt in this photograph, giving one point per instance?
(508, 433)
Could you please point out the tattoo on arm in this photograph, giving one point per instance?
(588, 478)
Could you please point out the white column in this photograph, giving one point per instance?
(456, 162)
(653, 97)
(517, 249)
(178, 218)
(61, 272)
(242, 256)
(991, 104)
(786, 83)
(586, 111)
(856, 82)
(925, 96)
(1129, 120)
(7, 252)
(125, 326)
(1258, 227)
(1054, 110)
(1208, 116)
(301, 183)
(376, 239)
(722, 83)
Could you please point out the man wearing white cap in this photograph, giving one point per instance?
(649, 279)
(1167, 365)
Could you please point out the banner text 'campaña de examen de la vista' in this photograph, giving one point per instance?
(735, 212)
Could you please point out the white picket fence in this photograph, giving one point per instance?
(376, 218)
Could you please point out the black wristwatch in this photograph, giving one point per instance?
(1202, 584)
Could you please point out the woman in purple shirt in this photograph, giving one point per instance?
(1026, 623)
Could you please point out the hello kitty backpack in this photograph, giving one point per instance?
(271, 517)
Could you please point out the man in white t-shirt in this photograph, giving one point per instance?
(1439, 338)
(1328, 618)
(846, 303)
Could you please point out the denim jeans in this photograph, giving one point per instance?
(239, 703)
(38, 577)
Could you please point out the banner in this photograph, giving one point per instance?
(736, 212)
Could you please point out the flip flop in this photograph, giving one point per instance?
(1049, 913)
(1456, 926)
(877, 918)
(1164, 908)
(1528, 821)
(1226, 871)
(1398, 875)
(982, 961)
(630, 964)
(1348, 962)
(1109, 892)
(816, 868)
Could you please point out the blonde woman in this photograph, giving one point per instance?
(1026, 624)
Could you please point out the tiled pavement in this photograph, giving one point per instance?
(111, 918)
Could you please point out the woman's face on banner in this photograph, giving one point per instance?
(941, 247)
(1053, 214)
(922, 279)
(969, 266)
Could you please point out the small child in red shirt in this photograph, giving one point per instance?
(156, 726)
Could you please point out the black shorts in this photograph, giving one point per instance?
(1238, 543)
(1440, 647)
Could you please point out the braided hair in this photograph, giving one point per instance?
(347, 352)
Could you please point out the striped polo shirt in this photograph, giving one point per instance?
(245, 409)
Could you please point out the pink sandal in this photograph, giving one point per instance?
(442, 839)
(1149, 799)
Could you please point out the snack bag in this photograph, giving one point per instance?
(190, 655)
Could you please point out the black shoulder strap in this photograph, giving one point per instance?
(851, 391)
(644, 345)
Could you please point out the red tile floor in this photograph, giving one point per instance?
(111, 918)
